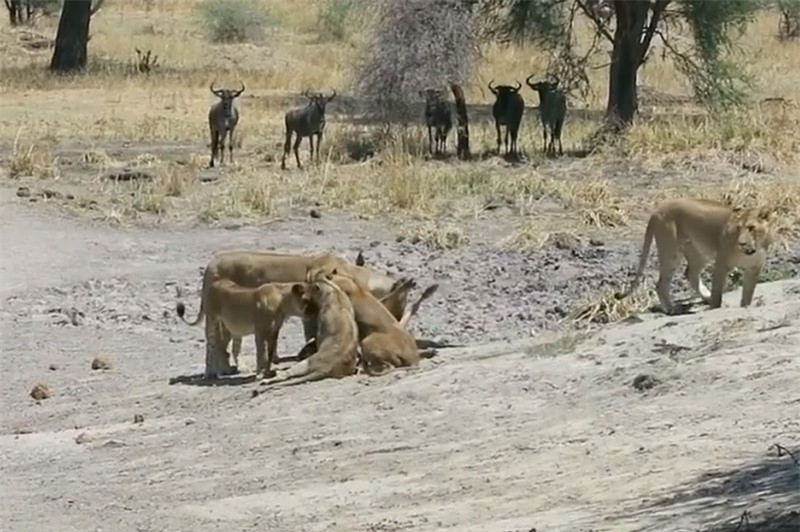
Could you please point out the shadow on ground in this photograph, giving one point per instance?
(761, 496)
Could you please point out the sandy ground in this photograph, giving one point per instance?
(523, 429)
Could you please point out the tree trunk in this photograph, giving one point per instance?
(637, 22)
(73, 35)
(14, 12)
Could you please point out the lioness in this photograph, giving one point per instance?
(337, 337)
(251, 269)
(705, 230)
(240, 311)
(385, 342)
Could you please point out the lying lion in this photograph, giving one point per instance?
(385, 342)
(337, 337)
(251, 269)
(240, 311)
(705, 230)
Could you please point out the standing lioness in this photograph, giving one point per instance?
(705, 230)
(237, 311)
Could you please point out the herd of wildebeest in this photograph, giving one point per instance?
(309, 120)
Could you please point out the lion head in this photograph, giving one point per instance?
(754, 229)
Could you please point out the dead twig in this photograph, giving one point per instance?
(744, 521)
(783, 450)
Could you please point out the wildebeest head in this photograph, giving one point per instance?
(319, 100)
(503, 91)
(227, 96)
(432, 96)
(544, 86)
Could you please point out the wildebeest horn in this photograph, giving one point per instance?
(213, 90)
(240, 90)
(528, 80)
(519, 86)
(332, 95)
(494, 91)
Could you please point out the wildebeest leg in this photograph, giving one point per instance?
(297, 149)
(319, 141)
(508, 134)
(430, 140)
(544, 138)
(559, 127)
(497, 127)
(213, 148)
(286, 147)
(230, 146)
(311, 148)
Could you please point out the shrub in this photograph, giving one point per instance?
(415, 45)
(232, 20)
(333, 18)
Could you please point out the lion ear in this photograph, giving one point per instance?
(333, 272)
(765, 213)
(298, 289)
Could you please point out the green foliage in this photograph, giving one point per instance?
(334, 17)
(232, 20)
(717, 81)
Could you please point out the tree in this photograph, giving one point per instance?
(72, 36)
(630, 26)
(415, 45)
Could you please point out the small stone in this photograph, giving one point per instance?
(83, 437)
(314, 213)
(138, 418)
(645, 382)
(40, 392)
(23, 192)
(101, 362)
(52, 367)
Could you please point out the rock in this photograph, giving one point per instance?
(40, 392)
(645, 382)
(101, 362)
(138, 418)
(83, 437)
(314, 213)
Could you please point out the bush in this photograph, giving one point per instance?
(232, 20)
(415, 45)
(334, 17)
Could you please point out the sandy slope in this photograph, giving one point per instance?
(546, 432)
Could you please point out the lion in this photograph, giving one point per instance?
(337, 337)
(385, 342)
(251, 269)
(239, 311)
(705, 230)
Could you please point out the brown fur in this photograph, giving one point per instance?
(337, 337)
(251, 269)
(385, 341)
(705, 230)
(238, 311)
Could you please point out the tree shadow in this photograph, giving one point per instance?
(762, 496)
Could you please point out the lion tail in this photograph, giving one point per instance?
(180, 309)
(648, 239)
(415, 307)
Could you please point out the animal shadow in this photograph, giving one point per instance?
(199, 379)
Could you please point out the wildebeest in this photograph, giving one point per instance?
(438, 117)
(507, 111)
(552, 111)
(306, 122)
(222, 119)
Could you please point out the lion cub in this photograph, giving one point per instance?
(337, 338)
(385, 341)
(705, 230)
(239, 311)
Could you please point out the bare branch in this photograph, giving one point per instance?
(599, 26)
(655, 18)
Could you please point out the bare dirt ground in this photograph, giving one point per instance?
(525, 428)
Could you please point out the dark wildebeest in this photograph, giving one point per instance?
(507, 111)
(306, 122)
(438, 117)
(552, 111)
(222, 119)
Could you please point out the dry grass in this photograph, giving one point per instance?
(438, 236)
(364, 169)
(607, 308)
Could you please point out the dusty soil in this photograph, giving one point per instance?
(524, 428)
